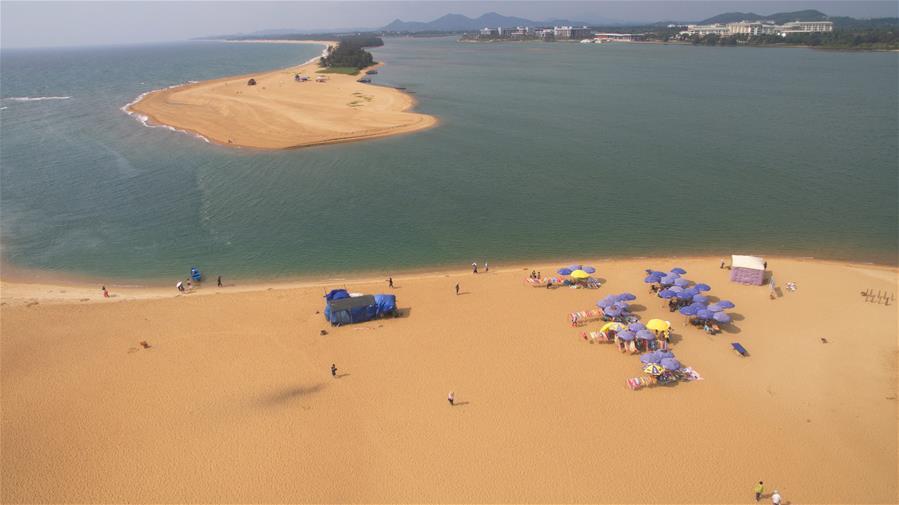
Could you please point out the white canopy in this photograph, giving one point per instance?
(751, 262)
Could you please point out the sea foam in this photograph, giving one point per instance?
(144, 120)
(35, 98)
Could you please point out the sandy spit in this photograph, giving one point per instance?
(234, 401)
(280, 113)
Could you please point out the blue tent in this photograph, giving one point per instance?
(340, 308)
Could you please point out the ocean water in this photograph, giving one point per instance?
(543, 151)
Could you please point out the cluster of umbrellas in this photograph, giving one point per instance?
(659, 362)
(577, 271)
(616, 305)
(675, 286)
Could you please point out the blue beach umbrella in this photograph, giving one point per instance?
(703, 287)
(721, 317)
(607, 301)
(564, 271)
(651, 279)
(667, 293)
(678, 270)
(589, 270)
(650, 357)
(656, 273)
(677, 289)
(645, 335)
(700, 299)
(681, 282)
(689, 310)
(612, 311)
(669, 279)
(664, 354)
(683, 295)
(727, 304)
(626, 335)
(626, 297)
(670, 364)
(636, 326)
(704, 314)
(692, 291)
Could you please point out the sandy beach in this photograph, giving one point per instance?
(279, 112)
(234, 401)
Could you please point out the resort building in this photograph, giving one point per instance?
(620, 37)
(490, 32)
(758, 28)
(571, 33)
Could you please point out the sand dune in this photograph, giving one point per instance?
(234, 401)
(279, 112)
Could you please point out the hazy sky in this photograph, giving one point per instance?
(71, 23)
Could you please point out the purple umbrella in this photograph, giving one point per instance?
(612, 311)
(684, 296)
(606, 302)
(574, 267)
(657, 273)
(700, 298)
(689, 310)
(564, 271)
(667, 293)
(645, 335)
(721, 317)
(678, 270)
(589, 270)
(664, 354)
(626, 335)
(677, 289)
(626, 297)
(703, 287)
(636, 326)
(681, 282)
(727, 304)
(652, 279)
(669, 279)
(670, 364)
(704, 314)
(692, 291)
(650, 357)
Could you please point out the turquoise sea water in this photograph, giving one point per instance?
(543, 151)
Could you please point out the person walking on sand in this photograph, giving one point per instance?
(457, 289)
(486, 267)
(474, 268)
(333, 370)
(180, 286)
(759, 489)
(775, 498)
(219, 282)
(105, 292)
(390, 282)
(451, 398)
(722, 264)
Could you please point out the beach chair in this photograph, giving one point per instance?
(740, 349)
(584, 316)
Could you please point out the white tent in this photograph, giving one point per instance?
(747, 269)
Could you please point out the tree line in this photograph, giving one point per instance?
(350, 52)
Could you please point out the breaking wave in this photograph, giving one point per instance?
(36, 98)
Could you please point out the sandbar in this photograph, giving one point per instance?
(279, 112)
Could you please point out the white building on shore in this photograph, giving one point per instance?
(758, 28)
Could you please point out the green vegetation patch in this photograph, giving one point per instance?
(338, 70)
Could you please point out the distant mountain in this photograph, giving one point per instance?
(778, 17)
(460, 23)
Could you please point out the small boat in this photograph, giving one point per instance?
(371, 72)
(364, 80)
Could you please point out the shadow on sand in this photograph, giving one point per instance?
(288, 394)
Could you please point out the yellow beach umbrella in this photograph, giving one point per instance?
(579, 274)
(612, 326)
(657, 325)
(653, 369)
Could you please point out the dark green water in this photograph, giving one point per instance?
(543, 151)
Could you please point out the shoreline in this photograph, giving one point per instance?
(224, 111)
(25, 286)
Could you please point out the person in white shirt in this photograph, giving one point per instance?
(775, 498)
(451, 398)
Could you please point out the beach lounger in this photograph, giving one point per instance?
(739, 348)
(638, 382)
(584, 316)
(596, 336)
